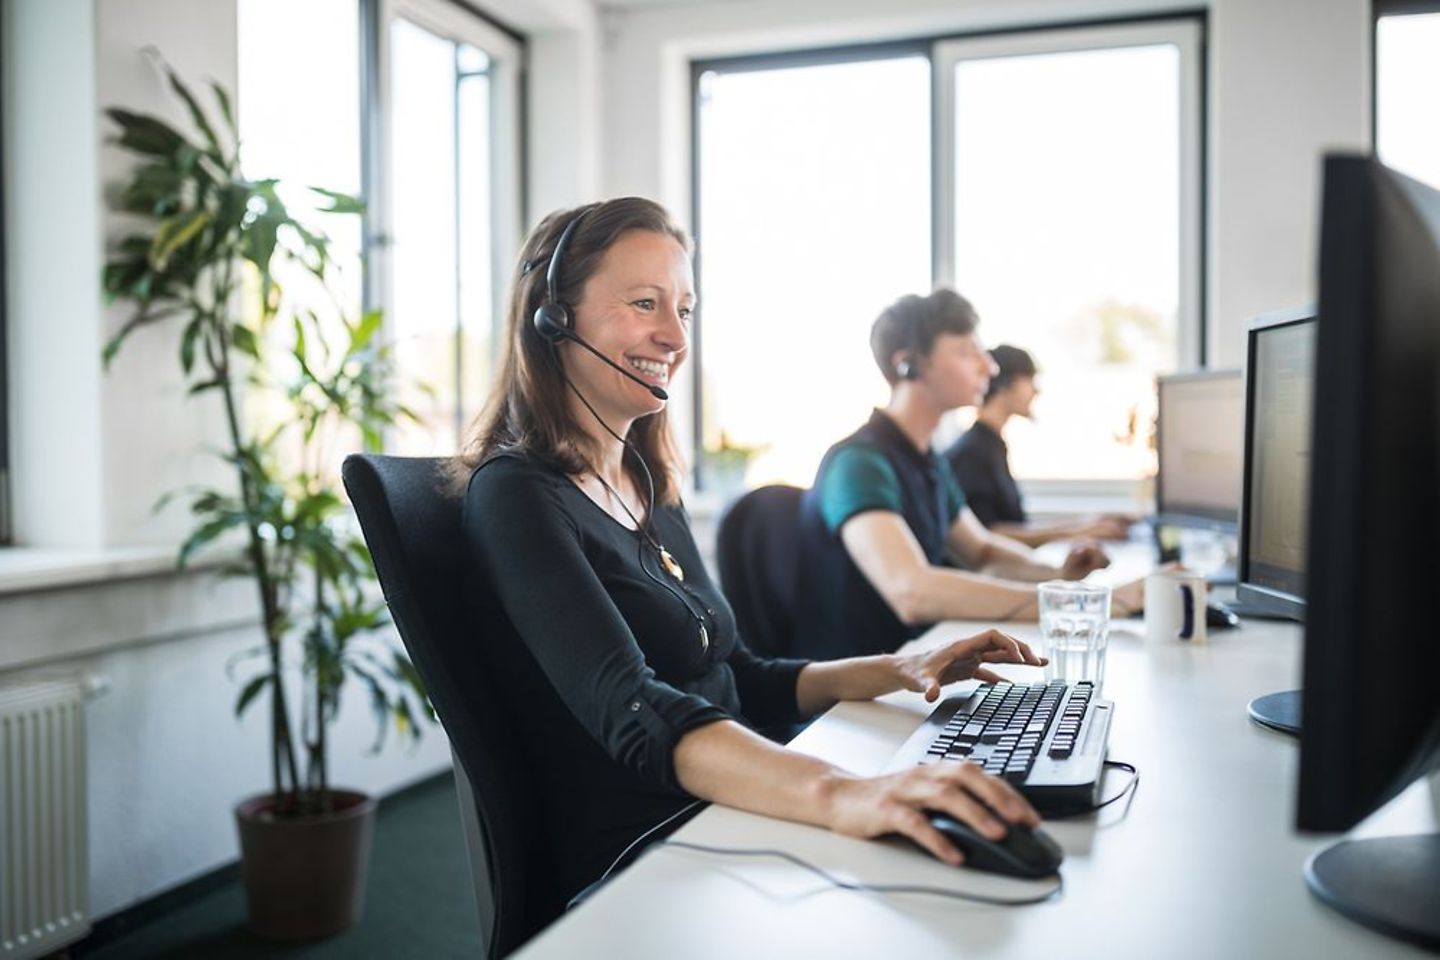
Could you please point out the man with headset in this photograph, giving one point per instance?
(885, 509)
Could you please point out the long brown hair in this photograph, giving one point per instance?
(528, 409)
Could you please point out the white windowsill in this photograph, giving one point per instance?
(26, 569)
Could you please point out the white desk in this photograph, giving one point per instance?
(1205, 863)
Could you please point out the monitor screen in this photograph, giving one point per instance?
(1200, 436)
(1277, 473)
(1370, 712)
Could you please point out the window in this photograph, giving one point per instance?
(427, 132)
(1059, 190)
(1407, 74)
(813, 214)
(305, 141)
(449, 218)
(1069, 164)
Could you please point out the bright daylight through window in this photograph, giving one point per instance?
(1066, 239)
(1065, 204)
(798, 257)
(1407, 74)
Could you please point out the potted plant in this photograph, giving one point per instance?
(292, 380)
(726, 464)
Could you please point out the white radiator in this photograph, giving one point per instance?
(44, 865)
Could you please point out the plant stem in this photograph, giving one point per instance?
(281, 744)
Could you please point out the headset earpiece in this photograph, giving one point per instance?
(906, 369)
(552, 322)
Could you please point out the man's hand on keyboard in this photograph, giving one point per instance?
(962, 660)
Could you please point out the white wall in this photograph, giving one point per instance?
(1288, 79)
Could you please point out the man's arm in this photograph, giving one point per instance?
(887, 553)
(986, 549)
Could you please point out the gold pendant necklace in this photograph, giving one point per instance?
(670, 564)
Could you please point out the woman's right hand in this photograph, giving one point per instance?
(873, 806)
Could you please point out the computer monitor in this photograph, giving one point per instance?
(1279, 391)
(1199, 438)
(1372, 659)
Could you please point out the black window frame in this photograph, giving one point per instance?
(924, 45)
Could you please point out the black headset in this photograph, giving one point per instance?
(552, 320)
(906, 369)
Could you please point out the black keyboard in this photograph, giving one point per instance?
(1047, 739)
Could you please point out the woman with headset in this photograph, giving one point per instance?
(615, 650)
(886, 515)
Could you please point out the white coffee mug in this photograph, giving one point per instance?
(1175, 606)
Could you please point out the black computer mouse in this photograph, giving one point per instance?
(1022, 852)
(1220, 617)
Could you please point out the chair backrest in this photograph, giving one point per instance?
(412, 527)
(756, 549)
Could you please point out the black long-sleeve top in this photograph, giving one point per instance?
(603, 667)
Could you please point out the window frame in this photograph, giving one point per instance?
(1185, 33)
(1195, 330)
(749, 63)
(1379, 9)
(508, 51)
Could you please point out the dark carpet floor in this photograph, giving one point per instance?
(418, 904)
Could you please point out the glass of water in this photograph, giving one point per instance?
(1074, 630)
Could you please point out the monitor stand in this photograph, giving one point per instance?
(1386, 883)
(1278, 711)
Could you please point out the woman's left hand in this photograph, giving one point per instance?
(962, 660)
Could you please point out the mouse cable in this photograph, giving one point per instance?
(1129, 790)
(871, 887)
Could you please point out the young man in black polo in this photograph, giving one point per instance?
(885, 509)
(981, 462)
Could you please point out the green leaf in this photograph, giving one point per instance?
(206, 533)
(174, 233)
(364, 331)
(205, 385)
(143, 133)
(252, 689)
(244, 339)
(223, 99)
(340, 202)
(196, 114)
(112, 347)
(193, 330)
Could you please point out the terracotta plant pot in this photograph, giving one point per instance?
(305, 878)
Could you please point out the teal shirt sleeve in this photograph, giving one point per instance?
(952, 489)
(858, 478)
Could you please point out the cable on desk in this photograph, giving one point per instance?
(871, 887)
(1129, 790)
(583, 895)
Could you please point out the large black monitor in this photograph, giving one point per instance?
(1199, 434)
(1279, 390)
(1372, 655)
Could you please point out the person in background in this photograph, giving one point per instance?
(981, 462)
(614, 652)
(885, 511)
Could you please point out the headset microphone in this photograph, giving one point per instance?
(552, 320)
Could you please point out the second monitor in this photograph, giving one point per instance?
(1200, 442)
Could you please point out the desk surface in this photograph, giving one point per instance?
(1204, 863)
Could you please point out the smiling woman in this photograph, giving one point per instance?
(611, 644)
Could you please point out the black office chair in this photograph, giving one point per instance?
(756, 549)
(412, 527)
